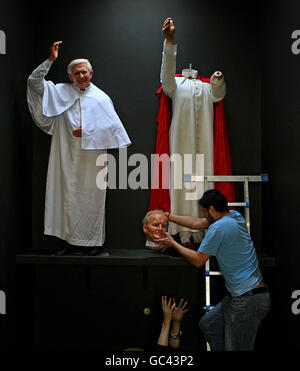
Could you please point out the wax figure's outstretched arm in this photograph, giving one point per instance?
(36, 86)
(36, 79)
(168, 66)
(35, 91)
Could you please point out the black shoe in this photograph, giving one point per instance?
(61, 252)
(96, 251)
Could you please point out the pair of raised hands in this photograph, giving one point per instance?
(171, 310)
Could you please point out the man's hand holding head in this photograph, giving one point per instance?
(165, 242)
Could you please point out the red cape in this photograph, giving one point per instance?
(160, 198)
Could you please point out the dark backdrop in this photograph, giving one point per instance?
(281, 156)
(123, 40)
(15, 163)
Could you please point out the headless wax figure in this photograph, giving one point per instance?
(83, 124)
(191, 129)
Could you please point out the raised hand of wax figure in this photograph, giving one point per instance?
(54, 50)
(169, 29)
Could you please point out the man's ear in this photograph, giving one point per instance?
(212, 210)
(70, 77)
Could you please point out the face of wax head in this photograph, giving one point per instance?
(157, 226)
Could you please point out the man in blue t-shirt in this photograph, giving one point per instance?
(233, 323)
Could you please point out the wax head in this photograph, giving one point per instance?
(155, 226)
(81, 75)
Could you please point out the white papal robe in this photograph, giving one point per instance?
(191, 132)
(74, 205)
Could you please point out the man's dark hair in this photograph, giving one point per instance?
(214, 198)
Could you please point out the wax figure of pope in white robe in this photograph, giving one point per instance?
(83, 124)
(191, 130)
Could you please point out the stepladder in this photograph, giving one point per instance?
(245, 203)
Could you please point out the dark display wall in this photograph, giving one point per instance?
(281, 155)
(123, 40)
(15, 154)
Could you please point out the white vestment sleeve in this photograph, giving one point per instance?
(35, 91)
(168, 69)
(218, 88)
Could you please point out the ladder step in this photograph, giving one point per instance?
(212, 273)
(244, 204)
(208, 307)
(264, 178)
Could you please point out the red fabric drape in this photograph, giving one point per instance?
(222, 158)
(160, 197)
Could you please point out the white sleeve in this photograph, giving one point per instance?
(35, 90)
(36, 79)
(168, 69)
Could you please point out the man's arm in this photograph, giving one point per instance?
(196, 258)
(189, 221)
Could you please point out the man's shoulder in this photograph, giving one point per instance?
(231, 218)
(235, 215)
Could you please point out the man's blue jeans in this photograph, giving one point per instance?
(233, 323)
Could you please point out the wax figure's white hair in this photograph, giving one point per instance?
(146, 218)
(77, 61)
